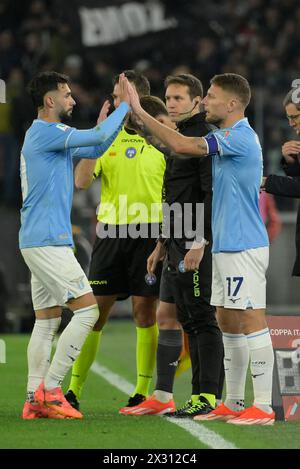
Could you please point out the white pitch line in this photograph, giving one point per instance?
(203, 434)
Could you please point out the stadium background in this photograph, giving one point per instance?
(256, 38)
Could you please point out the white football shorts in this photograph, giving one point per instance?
(239, 279)
(57, 276)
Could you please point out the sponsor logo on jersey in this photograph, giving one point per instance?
(98, 282)
(174, 363)
(132, 140)
(224, 133)
(259, 374)
(62, 127)
(196, 284)
(130, 152)
(234, 300)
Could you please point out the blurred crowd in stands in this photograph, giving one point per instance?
(256, 38)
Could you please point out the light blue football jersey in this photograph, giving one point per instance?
(237, 171)
(46, 169)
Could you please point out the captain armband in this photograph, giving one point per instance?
(212, 144)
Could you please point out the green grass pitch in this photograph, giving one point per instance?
(102, 426)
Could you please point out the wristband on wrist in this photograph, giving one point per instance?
(200, 244)
(162, 240)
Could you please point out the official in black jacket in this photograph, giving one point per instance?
(289, 186)
(188, 181)
(285, 186)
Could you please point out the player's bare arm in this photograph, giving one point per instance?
(168, 141)
(84, 173)
(103, 111)
(189, 146)
(125, 87)
(144, 132)
(85, 168)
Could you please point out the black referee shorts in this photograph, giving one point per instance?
(191, 291)
(119, 265)
(166, 293)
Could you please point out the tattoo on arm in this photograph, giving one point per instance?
(201, 145)
(159, 146)
(155, 142)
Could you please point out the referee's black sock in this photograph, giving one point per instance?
(168, 352)
(221, 381)
(211, 353)
(206, 351)
(195, 361)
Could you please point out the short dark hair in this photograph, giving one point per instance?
(290, 99)
(154, 106)
(42, 83)
(193, 83)
(141, 82)
(235, 84)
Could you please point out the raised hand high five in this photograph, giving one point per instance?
(133, 96)
(103, 111)
(124, 89)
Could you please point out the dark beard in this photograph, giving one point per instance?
(64, 117)
(214, 121)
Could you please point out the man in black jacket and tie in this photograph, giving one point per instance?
(289, 186)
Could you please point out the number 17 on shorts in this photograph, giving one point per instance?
(239, 279)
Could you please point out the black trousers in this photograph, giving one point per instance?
(191, 291)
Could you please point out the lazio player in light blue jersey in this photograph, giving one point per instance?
(46, 239)
(240, 243)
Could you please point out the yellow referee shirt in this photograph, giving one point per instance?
(131, 181)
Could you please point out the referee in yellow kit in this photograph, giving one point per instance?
(131, 173)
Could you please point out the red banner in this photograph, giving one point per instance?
(284, 331)
(285, 334)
